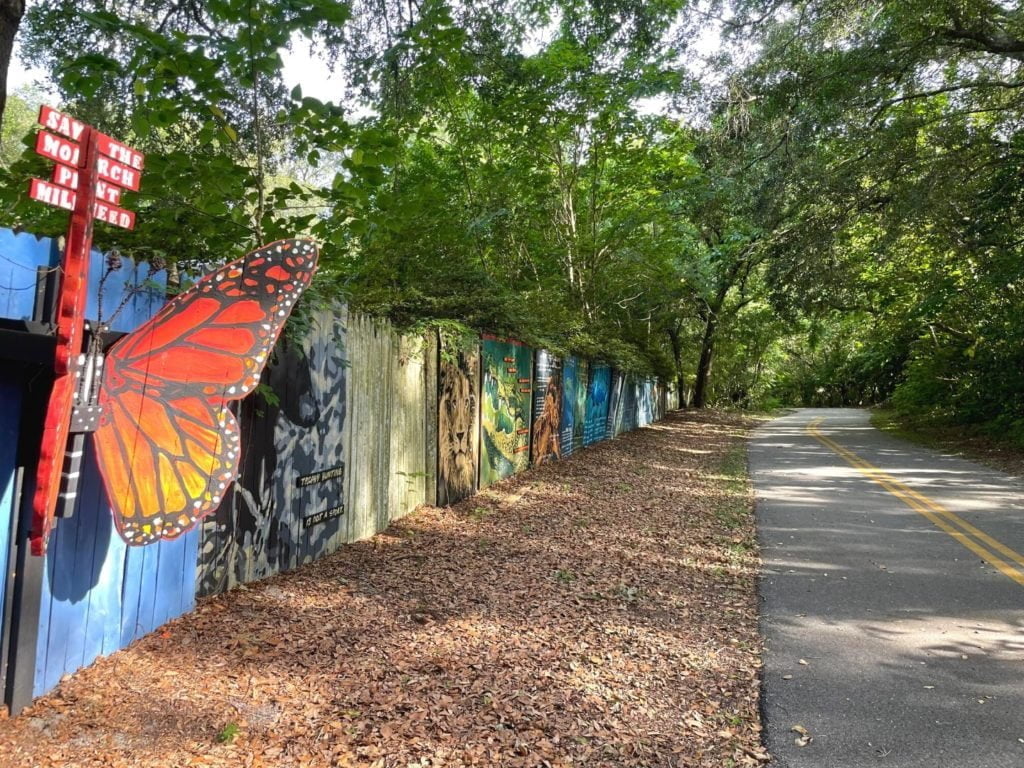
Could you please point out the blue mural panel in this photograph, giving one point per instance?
(575, 378)
(570, 385)
(598, 394)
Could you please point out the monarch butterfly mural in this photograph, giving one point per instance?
(167, 444)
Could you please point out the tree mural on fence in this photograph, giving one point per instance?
(458, 384)
(505, 406)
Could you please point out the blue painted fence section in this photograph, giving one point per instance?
(598, 395)
(20, 256)
(10, 411)
(570, 383)
(98, 594)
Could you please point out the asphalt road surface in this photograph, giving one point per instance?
(892, 599)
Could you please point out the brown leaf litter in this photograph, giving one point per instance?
(597, 611)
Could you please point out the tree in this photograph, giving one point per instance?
(11, 12)
(892, 135)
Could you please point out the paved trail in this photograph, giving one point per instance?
(894, 572)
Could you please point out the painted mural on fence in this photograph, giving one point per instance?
(547, 407)
(506, 399)
(167, 444)
(96, 593)
(630, 403)
(616, 398)
(580, 406)
(574, 403)
(650, 403)
(570, 378)
(457, 434)
(598, 390)
(288, 506)
(570, 367)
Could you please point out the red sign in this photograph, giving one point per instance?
(122, 175)
(111, 214)
(87, 160)
(56, 148)
(108, 193)
(51, 194)
(118, 151)
(65, 176)
(68, 177)
(62, 197)
(63, 124)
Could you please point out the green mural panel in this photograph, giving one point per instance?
(506, 398)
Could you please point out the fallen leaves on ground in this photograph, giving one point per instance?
(597, 611)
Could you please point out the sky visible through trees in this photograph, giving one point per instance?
(771, 202)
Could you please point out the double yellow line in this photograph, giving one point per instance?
(1009, 562)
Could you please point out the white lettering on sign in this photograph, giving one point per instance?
(120, 152)
(66, 177)
(56, 148)
(62, 197)
(111, 214)
(51, 194)
(119, 174)
(108, 193)
(63, 124)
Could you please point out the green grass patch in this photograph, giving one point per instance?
(479, 513)
(734, 507)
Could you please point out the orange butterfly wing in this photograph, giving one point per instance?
(167, 445)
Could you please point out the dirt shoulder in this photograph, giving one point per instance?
(598, 611)
(958, 441)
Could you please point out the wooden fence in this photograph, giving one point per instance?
(92, 594)
(354, 425)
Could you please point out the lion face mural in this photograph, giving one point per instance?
(456, 456)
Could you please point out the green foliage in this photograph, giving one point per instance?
(837, 221)
(888, 143)
(228, 733)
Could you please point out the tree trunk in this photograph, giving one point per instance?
(707, 349)
(11, 12)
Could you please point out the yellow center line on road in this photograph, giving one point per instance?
(968, 535)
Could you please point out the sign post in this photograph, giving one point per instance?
(87, 180)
